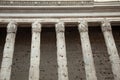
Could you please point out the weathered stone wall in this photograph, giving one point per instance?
(48, 65)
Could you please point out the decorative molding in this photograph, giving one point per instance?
(59, 15)
(46, 3)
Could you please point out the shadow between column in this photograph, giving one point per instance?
(76, 69)
(116, 35)
(2, 41)
(21, 58)
(48, 62)
(100, 54)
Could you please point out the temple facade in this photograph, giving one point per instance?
(59, 39)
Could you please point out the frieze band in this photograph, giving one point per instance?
(45, 3)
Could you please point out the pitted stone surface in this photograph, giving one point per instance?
(48, 68)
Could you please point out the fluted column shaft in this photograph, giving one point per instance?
(6, 65)
(61, 52)
(87, 52)
(111, 48)
(34, 70)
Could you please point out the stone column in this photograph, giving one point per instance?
(35, 52)
(6, 65)
(87, 52)
(111, 48)
(61, 52)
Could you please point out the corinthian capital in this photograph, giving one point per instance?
(12, 27)
(36, 27)
(106, 26)
(60, 27)
(83, 26)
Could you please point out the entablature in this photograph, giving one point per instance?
(81, 3)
